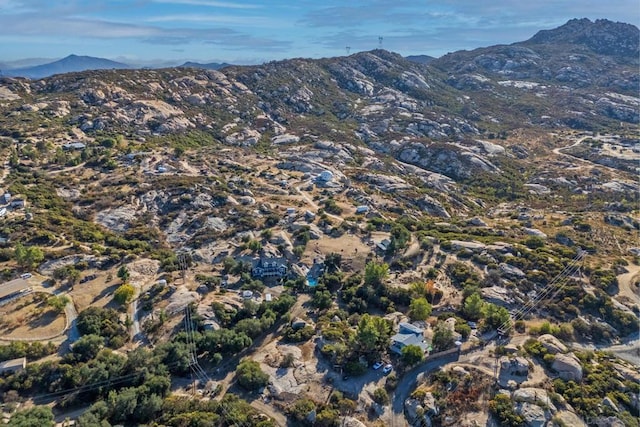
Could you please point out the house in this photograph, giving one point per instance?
(309, 216)
(291, 211)
(3, 212)
(74, 146)
(247, 294)
(408, 334)
(6, 198)
(363, 209)
(270, 267)
(12, 366)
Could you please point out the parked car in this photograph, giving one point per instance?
(387, 369)
(25, 276)
(377, 365)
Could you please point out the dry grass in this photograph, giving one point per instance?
(30, 317)
(351, 247)
(97, 292)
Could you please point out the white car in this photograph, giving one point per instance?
(377, 365)
(25, 276)
(387, 369)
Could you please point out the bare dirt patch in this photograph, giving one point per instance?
(30, 317)
(97, 292)
(353, 250)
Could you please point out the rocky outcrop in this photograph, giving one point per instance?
(533, 415)
(568, 367)
(432, 207)
(419, 411)
(552, 344)
(569, 419)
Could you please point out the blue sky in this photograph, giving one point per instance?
(254, 31)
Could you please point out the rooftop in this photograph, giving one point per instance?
(13, 364)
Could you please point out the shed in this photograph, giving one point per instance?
(74, 146)
(362, 209)
(13, 365)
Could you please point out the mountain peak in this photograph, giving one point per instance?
(601, 36)
(71, 63)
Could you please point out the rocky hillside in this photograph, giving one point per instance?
(555, 79)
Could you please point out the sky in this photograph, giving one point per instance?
(255, 31)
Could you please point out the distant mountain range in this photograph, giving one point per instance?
(209, 66)
(66, 65)
(38, 68)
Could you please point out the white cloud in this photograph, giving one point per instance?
(212, 3)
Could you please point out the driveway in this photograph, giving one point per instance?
(408, 382)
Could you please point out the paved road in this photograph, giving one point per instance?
(407, 383)
(13, 286)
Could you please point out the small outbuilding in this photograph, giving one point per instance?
(12, 366)
(363, 209)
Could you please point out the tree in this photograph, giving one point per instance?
(124, 294)
(28, 257)
(250, 376)
(419, 309)
(302, 408)
(473, 306)
(327, 418)
(88, 347)
(20, 253)
(40, 416)
(442, 337)
(123, 273)
(322, 300)
(373, 333)
(104, 322)
(412, 354)
(494, 316)
(58, 303)
(381, 396)
(333, 261)
(375, 274)
(74, 276)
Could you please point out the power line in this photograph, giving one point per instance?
(553, 287)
